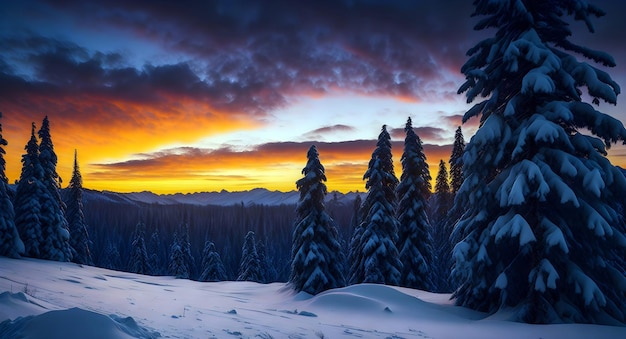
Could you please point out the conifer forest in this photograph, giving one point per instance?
(527, 214)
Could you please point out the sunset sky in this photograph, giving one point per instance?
(173, 96)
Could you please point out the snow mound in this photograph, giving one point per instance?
(72, 323)
(363, 297)
(13, 305)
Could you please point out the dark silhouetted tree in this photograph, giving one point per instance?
(79, 238)
(441, 203)
(456, 161)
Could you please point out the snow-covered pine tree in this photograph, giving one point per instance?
(456, 161)
(263, 264)
(315, 254)
(185, 245)
(10, 243)
(111, 259)
(54, 228)
(178, 261)
(542, 234)
(212, 266)
(154, 248)
(441, 230)
(139, 261)
(414, 241)
(355, 231)
(26, 204)
(79, 237)
(250, 266)
(378, 259)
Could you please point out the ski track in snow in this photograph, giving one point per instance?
(73, 301)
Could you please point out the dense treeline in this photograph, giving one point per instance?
(111, 226)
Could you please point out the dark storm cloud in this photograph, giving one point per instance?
(252, 54)
(249, 56)
(62, 70)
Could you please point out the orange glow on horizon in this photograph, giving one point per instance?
(131, 147)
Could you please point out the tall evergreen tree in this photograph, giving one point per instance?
(414, 241)
(353, 246)
(154, 248)
(441, 203)
(10, 243)
(378, 259)
(178, 261)
(212, 266)
(315, 255)
(139, 261)
(250, 266)
(79, 237)
(441, 181)
(185, 246)
(456, 161)
(263, 263)
(542, 235)
(27, 205)
(112, 259)
(54, 227)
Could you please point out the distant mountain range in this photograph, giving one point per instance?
(257, 196)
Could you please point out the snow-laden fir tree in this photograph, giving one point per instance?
(212, 266)
(26, 204)
(542, 234)
(55, 244)
(250, 265)
(154, 248)
(10, 243)
(111, 259)
(178, 261)
(377, 259)
(352, 245)
(315, 254)
(440, 205)
(414, 241)
(185, 246)
(263, 263)
(79, 237)
(456, 161)
(139, 260)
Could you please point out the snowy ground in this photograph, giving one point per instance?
(43, 299)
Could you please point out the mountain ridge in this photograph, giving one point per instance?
(256, 196)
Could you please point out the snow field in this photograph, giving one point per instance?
(46, 299)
